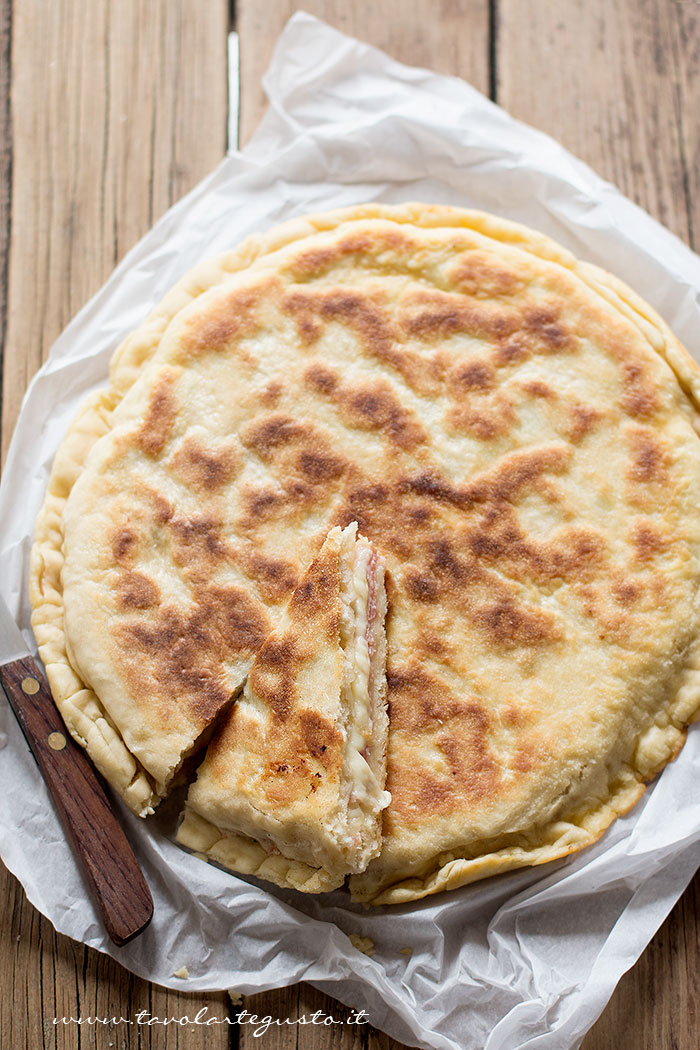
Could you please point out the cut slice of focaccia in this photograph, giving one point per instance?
(292, 786)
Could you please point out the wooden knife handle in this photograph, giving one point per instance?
(117, 883)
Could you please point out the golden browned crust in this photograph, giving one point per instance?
(281, 769)
(81, 707)
(515, 432)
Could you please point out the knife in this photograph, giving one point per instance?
(99, 843)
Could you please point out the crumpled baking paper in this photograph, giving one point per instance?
(523, 960)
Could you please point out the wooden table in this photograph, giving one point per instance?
(109, 112)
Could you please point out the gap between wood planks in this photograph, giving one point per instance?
(519, 68)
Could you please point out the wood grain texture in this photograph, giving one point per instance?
(451, 37)
(657, 1003)
(107, 104)
(303, 1001)
(617, 84)
(118, 108)
(112, 874)
(101, 130)
(44, 975)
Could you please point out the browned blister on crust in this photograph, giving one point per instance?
(298, 768)
(514, 431)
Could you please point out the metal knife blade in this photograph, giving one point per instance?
(99, 842)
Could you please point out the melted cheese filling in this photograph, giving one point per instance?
(364, 796)
(355, 827)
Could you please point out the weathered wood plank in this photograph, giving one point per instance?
(683, 70)
(616, 84)
(450, 37)
(410, 31)
(107, 131)
(657, 1004)
(334, 1025)
(44, 975)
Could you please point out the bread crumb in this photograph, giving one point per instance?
(235, 997)
(405, 951)
(363, 944)
(182, 972)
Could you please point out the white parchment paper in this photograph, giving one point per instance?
(523, 960)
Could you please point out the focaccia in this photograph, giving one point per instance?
(292, 786)
(513, 430)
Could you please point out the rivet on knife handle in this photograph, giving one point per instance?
(117, 883)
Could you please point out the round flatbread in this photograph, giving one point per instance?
(513, 430)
